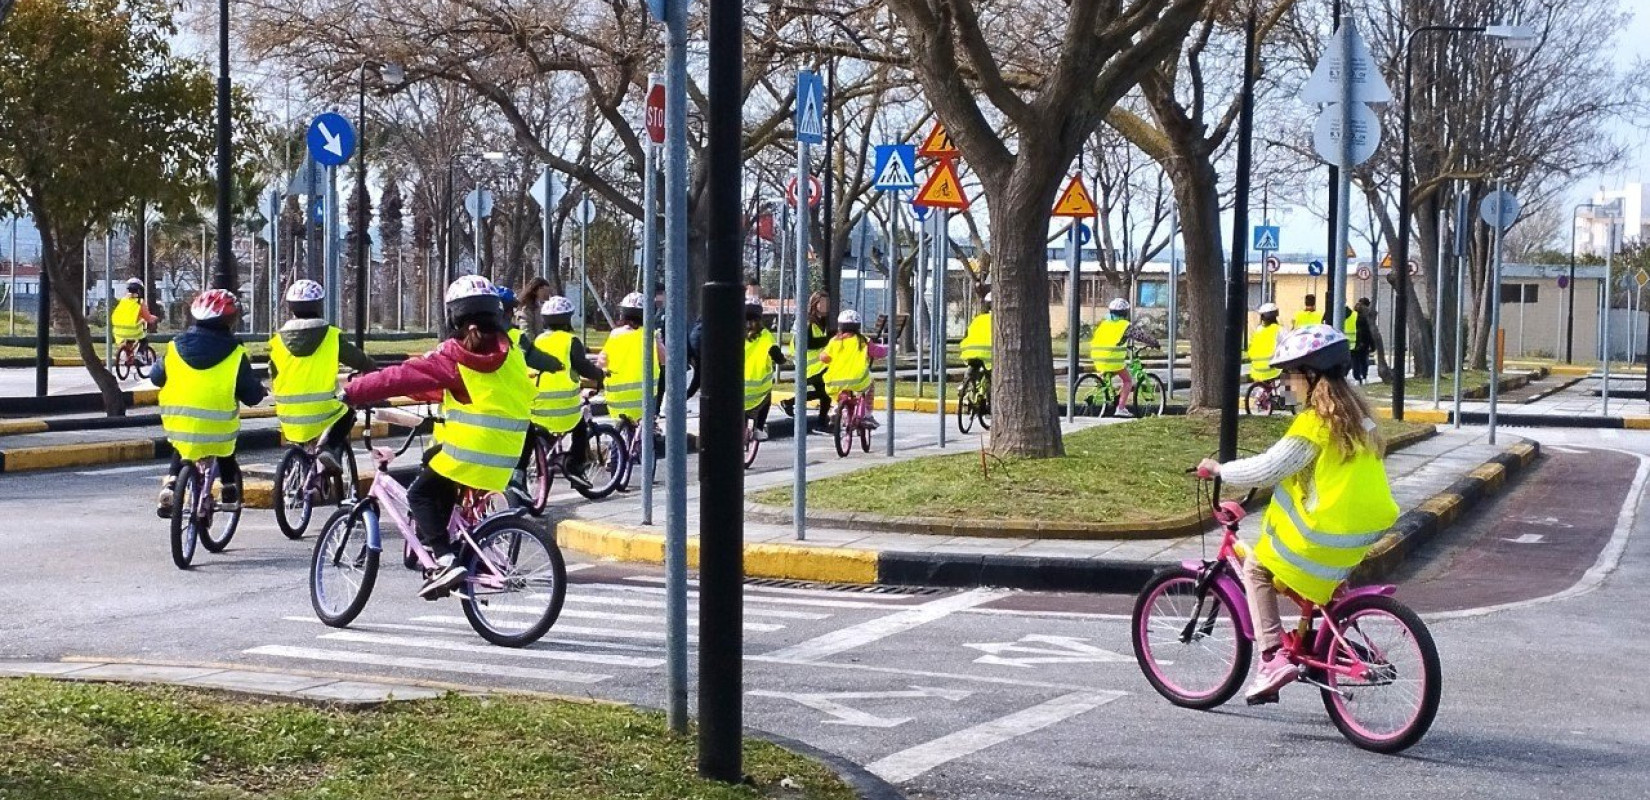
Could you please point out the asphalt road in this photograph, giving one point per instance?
(976, 694)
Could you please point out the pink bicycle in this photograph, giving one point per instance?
(1371, 657)
(850, 419)
(517, 578)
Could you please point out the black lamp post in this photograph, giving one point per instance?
(225, 276)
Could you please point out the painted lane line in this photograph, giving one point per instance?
(609, 616)
(778, 601)
(845, 639)
(567, 629)
(432, 643)
(912, 762)
(843, 714)
(895, 599)
(155, 468)
(431, 664)
(630, 602)
(571, 568)
(390, 627)
(917, 673)
(1015, 612)
(1038, 648)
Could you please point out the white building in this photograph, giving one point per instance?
(1593, 224)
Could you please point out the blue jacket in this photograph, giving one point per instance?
(204, 347)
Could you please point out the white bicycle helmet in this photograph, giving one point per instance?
(632, 300)
(133, 284)
(469, 296)
(305, 291)
(556, 306)
(213, 304)
(1320, 348)
(1118, 305)
(848, 317)
(1268, 308)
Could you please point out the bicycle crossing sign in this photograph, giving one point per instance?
(1075, 200)
(1266, 238)
(943, 189)
(938, 144)
(810, 103)
(896, 167)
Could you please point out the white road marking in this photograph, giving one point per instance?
(900, 599)
(864, 633)
(432, 643)
(843, 714)
(155, 468)
(1037, 648)
(612, 633)
(917, 673)
(1014, 612)
(1528, 538)
(778, 601)
(911, 762)
(579, 567)
(632, 602)
(390, 627)
(432, 664)
(575, 613)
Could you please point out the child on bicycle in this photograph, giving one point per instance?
(130, 319)
(819, 310)
(1262, 343)
(1331, 500)
(304, 358)
(1109, 346)
(762, 357)
(847, 359)
(557, 406)
(476, 375)
(204, 373)
(976, 343)
(621, 357)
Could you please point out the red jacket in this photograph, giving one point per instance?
(424, 378)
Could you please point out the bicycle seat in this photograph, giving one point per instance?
(1230, 512)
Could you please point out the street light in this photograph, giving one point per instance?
(1513, 37)
(392, 75)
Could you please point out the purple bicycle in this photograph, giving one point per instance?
(195, 509)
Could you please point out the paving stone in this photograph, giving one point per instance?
(41, 667)
(258, 682)
(358, 692)
(145, 673)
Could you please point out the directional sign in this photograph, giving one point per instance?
(331, 139)
(896, 167)
(943, 189)
(307, 180)
(1075, 200)
(1037, 648)
(1325, 84)
(548, 190)
(1273, 264)
(1084, 234)
(1363, 273)
(1266, 238)
(1563, 281)
(842, 714)
(919, 211)
(816, 191)
(655, 115)
(810, 108)
(1366, 135)
(1315, 268)
(1499, 207)
(479, 203)
(938, 144)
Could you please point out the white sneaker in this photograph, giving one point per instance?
(761, 434)
(446, 576)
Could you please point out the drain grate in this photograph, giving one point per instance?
(852, 588)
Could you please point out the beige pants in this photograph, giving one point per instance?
(1263, 605)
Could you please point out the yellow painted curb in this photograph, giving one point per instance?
(1636, 423)
(12, 427)
(145, 397)
(1493, 476)
(260, 493)
(24, 459)
(795, 562)
(1444, 506)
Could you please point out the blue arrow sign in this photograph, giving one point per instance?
(1266, 238)
(1315, 268)
(1084, 235)
(810, 108)
(896, 167)
(331, 139)
(920, 211)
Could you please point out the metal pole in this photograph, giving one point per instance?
(363, 253)
(1237, 271)
(1570, 315)
(1174, 292)
(584, 264)
(1074, 261)
(677, 282)
(1463, 224)
(1335, 311)
(108, 300)
(1438, 311)
(1337, 211)
(1609, 296)
(919, 291)
(940, 247)
(149, 293)
(42, 325)
(1495, 315)
(544, 248)
(11, 292)
(888, 303)
(329, 249)
(799, 350)
(226, 278)
(650, 316)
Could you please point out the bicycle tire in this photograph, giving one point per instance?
(627, 468)
(231, 523)
(1420, 722)
(484, 537)
(1089, 395)
(1148, 398)
(982, 403)
(123, 369)
(752, 444)
(142, 360)
(842, 434)
(610, 455)
(342, 526)
(864, 436)
(349, 481)
(965, 405)
(183, 538)
(1223, 683)
(1257, 397)
(538, 475)
(294, 464)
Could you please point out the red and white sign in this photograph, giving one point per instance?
(1273, 264)
(816, 192)
(656, 113)
(1363, 273)
(1414, 268)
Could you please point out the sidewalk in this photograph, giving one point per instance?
(1434, 481)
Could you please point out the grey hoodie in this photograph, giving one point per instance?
(303, 336)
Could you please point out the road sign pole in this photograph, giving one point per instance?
(676, 333)
(329, 244)
(545, 265)
(1174, 292)
(584, 265)
(1074, 261)
(890, 310)
(1609, 298)
(1495, 321)
(42, 329)
(650, 316)
(1238, 273)
(940, 248)
(1336, 310)
(1438, 310)
(799, 349)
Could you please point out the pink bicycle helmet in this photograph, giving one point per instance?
(1319, 348)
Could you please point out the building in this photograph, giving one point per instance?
(1592, 224)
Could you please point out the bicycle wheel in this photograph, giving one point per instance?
(965, 405)
(752, 444)
(185, 494)
(538, 474)
(1257, 400)
(514, 605)
(842, 432)
(1090, 396)
(603, 462)
(982, 403)
(1189, 647)
(123, 364)
(630, 447)
(231, 521)
(1390, 706)
(864, 433)
(1148, 398)
(347, 485)
(344, 567)
(142, 360)
(296, 501)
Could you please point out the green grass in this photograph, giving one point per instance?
(1132, 472)
(67, 741)
(1471, 380)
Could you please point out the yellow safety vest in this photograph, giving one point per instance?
(758, 369)
(624, 364)
(556, 405)
(1106, 346)
(481, 440)
(814, 366)
(127, 321)
(1262, 344)
(1305, 318)
(850, 367)
(976, 344)
(1350, 328)
(1320, 525)
(306, 389)
(197, 406)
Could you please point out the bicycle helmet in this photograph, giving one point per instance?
(1118, 305)
(213, 304)
(753, 311)
(848, 317)
(1319, 348)
(1267, 308)
(507, 296)
(557, 306)
(134, 285)
(305, 291)
(633, 300)
(472, 296)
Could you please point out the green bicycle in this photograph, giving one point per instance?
(1102, 395)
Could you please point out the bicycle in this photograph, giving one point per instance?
(193, 509)
(1193, 639)
(548, 454)
(1264, 398)
(974, 400)
(851, 418)
(302, 483)
(134, 358)
(511, 596)
(752, 442)
(1102, 395)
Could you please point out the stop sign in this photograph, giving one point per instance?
(656, 113)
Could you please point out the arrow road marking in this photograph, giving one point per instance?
(911, 762)
(335, 144)
(830, 703)
(1545, 522)
(1528, 538)
(1040, 648)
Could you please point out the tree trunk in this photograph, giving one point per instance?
(63, 264)
(1026, 423)
(1197, 192)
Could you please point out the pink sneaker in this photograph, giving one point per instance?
(1274, 673)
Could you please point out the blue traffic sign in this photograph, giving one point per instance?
(331, 139)
(657, 9)
(1315, 268)
(896, 167)
(1085, 234)
(319, 217)
(920, 211)
(1266, 238)
(810, 108)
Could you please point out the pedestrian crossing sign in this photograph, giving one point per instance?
(1266, 238)
(810, 104)
(943, 189)
(896, 167)
(938, 144)
(1075, 200)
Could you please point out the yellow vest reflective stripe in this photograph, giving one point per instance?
(1106, 347)
(1305, 318)
(1350, 328)
(125, 321)
(481, 440)
(850, 367)
(624, 365)
(814, 366)
(1319, 526)
(306, 389)
(197, 406)
(758, 368)
(1262, 344)
(976, 344)
(556, 405)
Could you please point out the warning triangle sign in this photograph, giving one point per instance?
(943, 189)
(1075, 200)
(938, 144)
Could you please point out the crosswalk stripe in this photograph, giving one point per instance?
(637, 603)
(433, 643)
(566, 629)
(391, 627)
(574, 613)
(893, 599)
(778, 601)
(431, 664)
